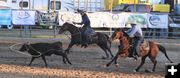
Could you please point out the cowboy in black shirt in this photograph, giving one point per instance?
(86, 27)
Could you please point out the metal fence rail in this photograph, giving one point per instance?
(54, 33)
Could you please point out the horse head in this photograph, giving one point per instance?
(66, 27)
(118, 34)
(63, 28)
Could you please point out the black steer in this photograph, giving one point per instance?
(44, 49)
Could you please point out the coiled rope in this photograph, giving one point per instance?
(12, 49)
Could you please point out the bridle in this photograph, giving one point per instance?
(73, 34)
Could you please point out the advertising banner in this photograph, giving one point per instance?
(139, 18)
(5, 17)
(23, 17)
(118, 20)
(158, 21)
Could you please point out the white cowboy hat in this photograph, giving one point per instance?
(134, 22)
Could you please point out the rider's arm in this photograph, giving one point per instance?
(77, 23)
(84, 19)
(132, 32)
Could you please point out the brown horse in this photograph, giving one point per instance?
(147, 49)
(102, 40)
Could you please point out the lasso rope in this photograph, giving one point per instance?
(11, 48)
(40, 54)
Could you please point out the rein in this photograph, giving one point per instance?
(12, 49)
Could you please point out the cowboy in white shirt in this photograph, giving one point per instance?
(136, 33)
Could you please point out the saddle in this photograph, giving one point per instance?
(90, 35)
(145, 46)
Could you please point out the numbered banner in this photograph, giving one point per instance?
(5, 17)
(23, 17)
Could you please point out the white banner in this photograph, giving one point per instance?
(98, 19)
(140, 18)
(68, 16)
(118, 20)
(113, 20)
(158, 21)
(95, 18)
(23, 17)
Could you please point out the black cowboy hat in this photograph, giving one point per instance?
(80, 11)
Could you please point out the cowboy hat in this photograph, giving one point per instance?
(80, 11)
(132, 22)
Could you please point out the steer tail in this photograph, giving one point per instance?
(163, 50)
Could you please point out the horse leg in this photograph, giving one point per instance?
(65, 57)
(44, 59)
(110, 52)
(64, 61)
(32, 59)
(115, 58)
(115, 62)
(142, 62)
(69, 47)
(108, 48)
(154, 61)
(104, 49)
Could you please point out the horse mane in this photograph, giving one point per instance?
(69, 23)
(124, 33)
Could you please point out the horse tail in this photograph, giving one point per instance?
(163, 50)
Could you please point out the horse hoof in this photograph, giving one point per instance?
(134, 71)
(117, 65)
(104, 57)
(104, 66)
(148, 71)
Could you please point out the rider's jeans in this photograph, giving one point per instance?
(136, 45)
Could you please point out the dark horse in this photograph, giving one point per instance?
(147, 49)
(44, 49)
(102, 40)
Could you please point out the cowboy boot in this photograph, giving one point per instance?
(86, 42)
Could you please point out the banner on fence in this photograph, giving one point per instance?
(23, 17)
(139, 18)
(158, 21)
(113, 20)
(5, 17)
(118, 20)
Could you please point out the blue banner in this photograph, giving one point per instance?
(5, 17)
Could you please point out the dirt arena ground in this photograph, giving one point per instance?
(86, 63)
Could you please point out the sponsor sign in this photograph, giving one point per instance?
(158, 21)
(23, 17)
(118, 20)
(5, 17)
